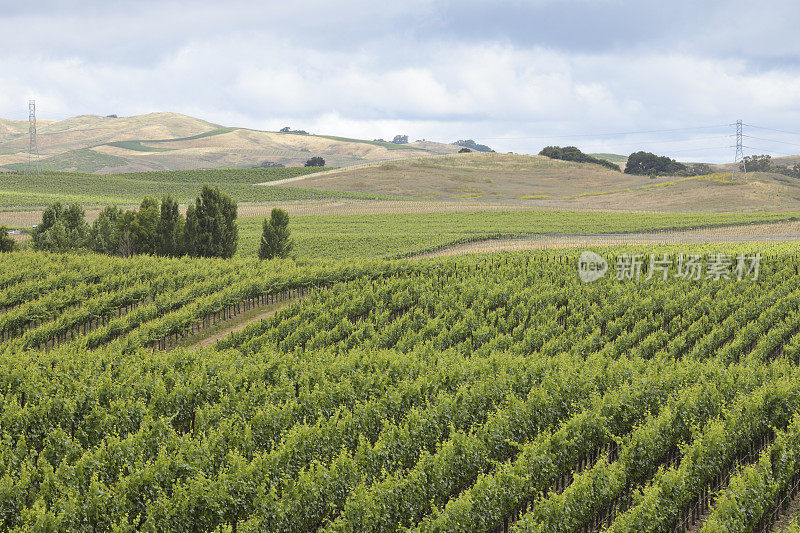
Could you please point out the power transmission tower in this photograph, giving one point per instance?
(34, 167)
(739, 157)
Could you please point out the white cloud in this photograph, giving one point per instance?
(351, 72)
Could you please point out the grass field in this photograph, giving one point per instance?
(138, 145)
(83, 158)
(541, 182)
(614, 158)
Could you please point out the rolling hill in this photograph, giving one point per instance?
(537, 181)
(171, 141)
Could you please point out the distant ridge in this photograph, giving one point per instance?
(172, 141)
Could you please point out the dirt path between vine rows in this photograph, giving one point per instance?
(239, 324)
(792, 512)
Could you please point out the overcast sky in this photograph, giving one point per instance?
(514, 75)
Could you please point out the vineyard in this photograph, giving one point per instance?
(403, 234)
(487, 393)
(18, 190)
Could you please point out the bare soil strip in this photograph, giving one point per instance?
(210, 337)
(762, 233)
(791, 513)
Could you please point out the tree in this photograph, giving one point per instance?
(315, 162)
(572, 153)
(646, 163)
(7, 244)
(124, 234)
(472, 145)
(104, 235)
(191, 231)
(171, 226)
(285, 129)
(144, 229)
(61, 229)
(757, 163)
(211, 229)
(275, 241)
(400, 139)
(464, 151)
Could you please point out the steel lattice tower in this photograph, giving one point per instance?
(739, 157)
(33, 147)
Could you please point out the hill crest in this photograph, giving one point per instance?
(172, 141)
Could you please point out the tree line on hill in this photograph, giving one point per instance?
(209, 229)
(763, 163)
(648, 164)
(639, 163)
(572, 153)
(472, 145)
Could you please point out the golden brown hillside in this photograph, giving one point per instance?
(537, 181)
(171, 141)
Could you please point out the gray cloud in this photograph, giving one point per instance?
(511, 73)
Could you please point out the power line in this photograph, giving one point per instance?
(772, 129)
(702, 149)
(768, 151)
(649, 143)
(606, 134)
(771, 140)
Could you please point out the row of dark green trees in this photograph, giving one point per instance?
(640, 163)
(209, 229)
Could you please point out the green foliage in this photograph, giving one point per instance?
(791, 171)
(472, 145)
(61, 229)
(752, 492)
(170, 234)
(402, 234)
(315, 161)
(139, 147)
(763, 163)
(144, 228)
(648, 164)
(757, 163)
(86, 159)
(275, 237)
(432, 396)
(571, 153)
(7, 244)
(136, 146)
(105, 236)
(18, 189)
(163, 231)
(211, 229)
